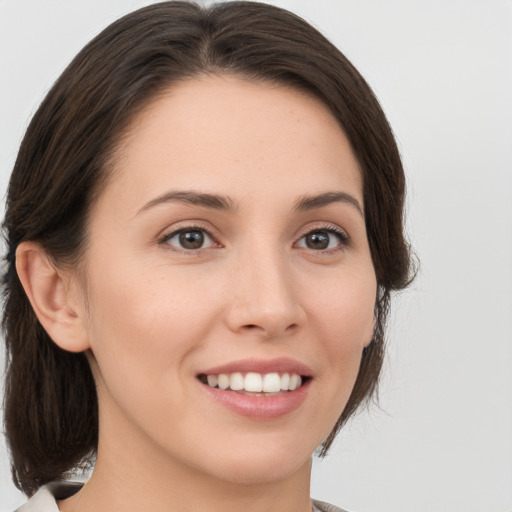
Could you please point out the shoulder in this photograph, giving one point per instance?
(45, 499)
(321, 506)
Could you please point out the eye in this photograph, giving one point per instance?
(189, 239)
(323, 239)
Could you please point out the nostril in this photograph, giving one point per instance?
(252, 327)
(255, 327)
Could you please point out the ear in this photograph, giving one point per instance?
(48, 290)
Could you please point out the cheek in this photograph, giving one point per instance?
(344, 310)
(143, 325)
(342, 316)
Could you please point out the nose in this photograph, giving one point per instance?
(265, 299)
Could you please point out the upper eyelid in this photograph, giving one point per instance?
(183, 226)
(325, 226)
(174, 232)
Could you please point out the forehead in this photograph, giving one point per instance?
(227, 133)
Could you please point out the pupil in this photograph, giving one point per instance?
(318, 240)
(191, 239)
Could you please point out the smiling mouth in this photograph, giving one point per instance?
(255, 384)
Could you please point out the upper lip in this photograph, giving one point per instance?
(279, 365)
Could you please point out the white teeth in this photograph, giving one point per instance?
(256, 382)
(295, 382)
(253, 382)
(236, 381)
(223, 382)
(212, 380)
(271, 383)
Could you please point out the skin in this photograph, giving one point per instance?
(152, 314)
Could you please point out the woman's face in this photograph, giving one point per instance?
(229, 247)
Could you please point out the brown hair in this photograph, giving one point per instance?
(51, 417)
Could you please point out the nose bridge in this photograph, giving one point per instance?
(264, 297)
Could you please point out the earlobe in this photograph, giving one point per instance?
(47, 289)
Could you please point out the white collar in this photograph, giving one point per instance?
(45, 499)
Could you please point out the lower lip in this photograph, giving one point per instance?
(260, 407)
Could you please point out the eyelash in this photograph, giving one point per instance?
(186, 229)
(340, 234)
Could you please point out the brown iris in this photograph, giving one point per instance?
(191, 239)
(317, 240)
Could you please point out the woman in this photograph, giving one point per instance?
(204, 226)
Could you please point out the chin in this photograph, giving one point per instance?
(262, 472)
(261, 465)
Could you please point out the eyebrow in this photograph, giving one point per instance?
(306, 203)
(214, 201)
(224, 203)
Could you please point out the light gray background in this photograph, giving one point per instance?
(442, 439)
